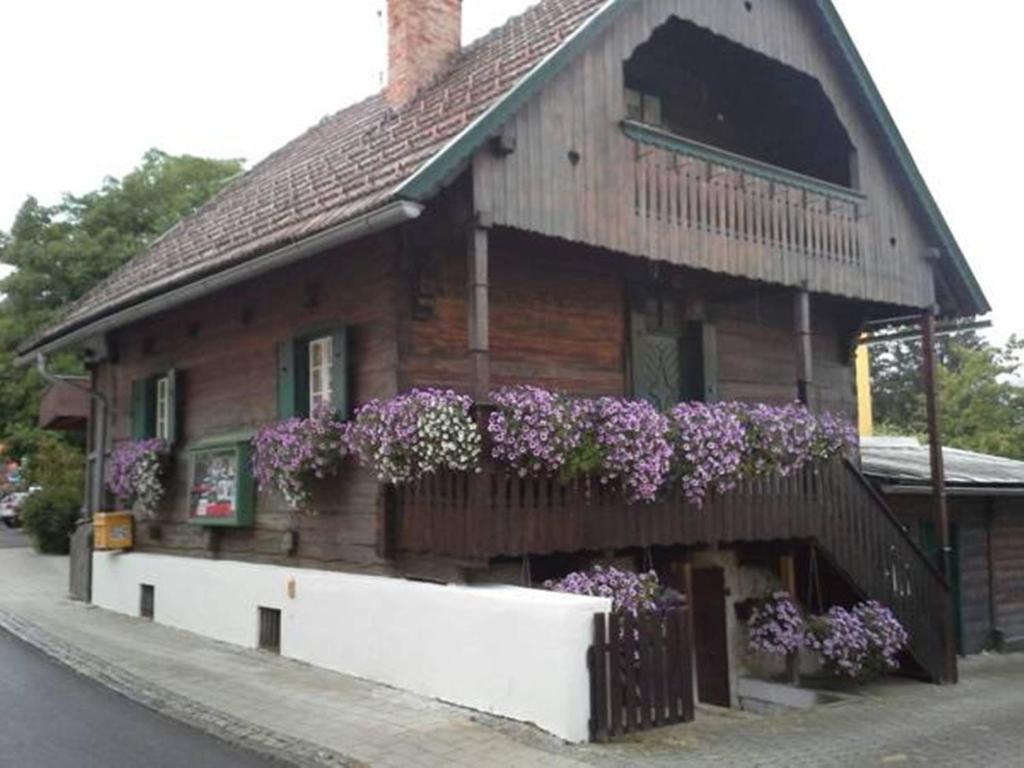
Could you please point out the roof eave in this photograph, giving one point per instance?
(372, 222)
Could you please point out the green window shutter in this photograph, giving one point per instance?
(301, 377)
(339, 372)
(286, 379)
(143, 409)
(173, 407)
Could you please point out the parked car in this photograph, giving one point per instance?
(10, 507)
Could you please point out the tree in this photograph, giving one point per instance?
(61, 251)
(980, 399)
(49, 514)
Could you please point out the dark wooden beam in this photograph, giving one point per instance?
(479, 310)
(805, 360)
(940, 511)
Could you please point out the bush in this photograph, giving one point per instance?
(49, 514)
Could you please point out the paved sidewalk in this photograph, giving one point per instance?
(318, 718)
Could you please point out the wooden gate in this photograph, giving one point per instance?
(641, 673)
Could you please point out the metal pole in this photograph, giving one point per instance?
(941, 510)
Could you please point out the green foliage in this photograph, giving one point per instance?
(59, 252)
(49, 514)
(981, 400)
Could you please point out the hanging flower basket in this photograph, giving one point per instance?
(137, 473)
(291, 455)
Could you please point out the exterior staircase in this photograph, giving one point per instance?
(473, 517)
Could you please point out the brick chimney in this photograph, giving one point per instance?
(422, 36)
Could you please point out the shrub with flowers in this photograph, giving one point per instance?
(533, 431)
(631, 593)
(415, 434)
(859, 642)
(538, 432)
(290, 454)
(708, 443)
(627, 439)
(886, 636)
(833, 437)
(779, 438)
(135, 473)
(776, 626)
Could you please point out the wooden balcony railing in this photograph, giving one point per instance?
(686, 191)
(478, 516)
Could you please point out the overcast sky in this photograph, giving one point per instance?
(87, 87)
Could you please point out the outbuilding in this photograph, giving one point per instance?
(986, 507)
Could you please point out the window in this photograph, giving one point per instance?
(313, 369)
(269, 629)
(163, 408)
(643, 107)
(154, 407)
(147, 595)
(320, 359)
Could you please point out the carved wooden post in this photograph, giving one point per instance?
(805, 370)
(941, 510)
(479, 310)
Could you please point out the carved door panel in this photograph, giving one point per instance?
(672, 359)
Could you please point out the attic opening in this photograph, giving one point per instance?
(691, 82)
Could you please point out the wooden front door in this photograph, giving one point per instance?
(710, 637)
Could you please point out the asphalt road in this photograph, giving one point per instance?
(52, 718)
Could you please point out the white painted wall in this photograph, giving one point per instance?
(515, 652)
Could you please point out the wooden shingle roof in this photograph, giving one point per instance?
(348, 164)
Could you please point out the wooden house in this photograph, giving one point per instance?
(661, 199)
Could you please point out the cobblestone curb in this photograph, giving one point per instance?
(277, 746)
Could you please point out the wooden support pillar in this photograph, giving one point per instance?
(479, 311)
(805, 360)
(787, 574)
(940, 510)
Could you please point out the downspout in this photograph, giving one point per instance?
(97, 437)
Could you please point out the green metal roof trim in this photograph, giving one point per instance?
(444, 166)
(869, 90)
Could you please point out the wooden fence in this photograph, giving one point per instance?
(641, 673)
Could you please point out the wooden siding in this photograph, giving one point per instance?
(225, 351)
(1008, 567)
(572, 173)
(559, 319)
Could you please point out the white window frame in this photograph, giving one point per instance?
(162, 401)
(320, 390)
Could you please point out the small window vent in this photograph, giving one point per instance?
(147, 595)
(270, 629)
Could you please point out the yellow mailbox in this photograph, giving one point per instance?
(112, 531)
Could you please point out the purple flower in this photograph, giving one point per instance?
(859, 642)
(135, 472)
(708, 442)
(290, 454)
(415, 434)
(776, 626)
(631, 593)
(541, 433)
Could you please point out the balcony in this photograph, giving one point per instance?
(706, 207)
